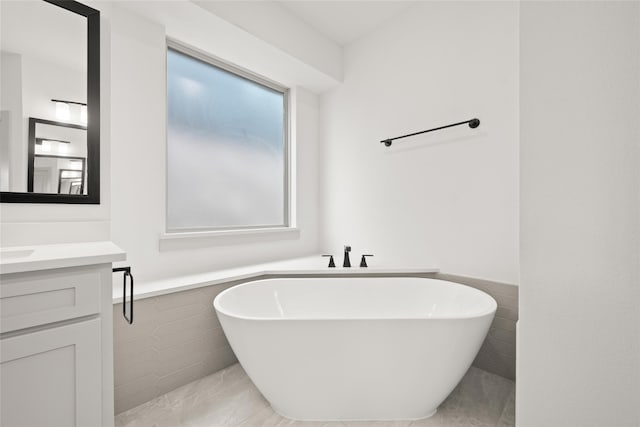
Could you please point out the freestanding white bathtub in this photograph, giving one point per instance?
(355, 348)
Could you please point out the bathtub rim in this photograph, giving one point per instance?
(220, 310)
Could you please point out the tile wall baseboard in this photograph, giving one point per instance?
(177, 338)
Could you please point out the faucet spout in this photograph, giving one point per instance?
(347, 261)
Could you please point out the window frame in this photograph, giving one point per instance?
(288, 223)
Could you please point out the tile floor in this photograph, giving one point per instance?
(228, 398)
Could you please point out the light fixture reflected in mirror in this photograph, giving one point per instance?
(83, 114)
(63, 110)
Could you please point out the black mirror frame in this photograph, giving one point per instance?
(93, 113)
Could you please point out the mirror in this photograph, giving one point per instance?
(49, 102)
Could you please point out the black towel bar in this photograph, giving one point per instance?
(127, 273)
(473, 123)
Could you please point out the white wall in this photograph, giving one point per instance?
(451, 197)
(578, 356)
(138, 155)
(184, 20)
(276, 25)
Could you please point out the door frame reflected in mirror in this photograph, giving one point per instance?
(82, 171)
(81, 178)
(93, 125)
(31, 162)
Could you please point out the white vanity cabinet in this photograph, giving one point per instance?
(56, 341)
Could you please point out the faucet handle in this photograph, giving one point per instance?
(363, 261)
(331, 263)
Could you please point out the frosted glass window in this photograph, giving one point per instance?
(226, 148)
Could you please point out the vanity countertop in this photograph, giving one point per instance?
(17, 259)
(310, 265)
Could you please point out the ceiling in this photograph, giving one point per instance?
(345, 21)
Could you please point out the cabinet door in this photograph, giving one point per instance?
(52, 377)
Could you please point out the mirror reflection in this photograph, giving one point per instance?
(43, 98)
(57, 157)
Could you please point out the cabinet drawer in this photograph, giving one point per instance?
(36, 298)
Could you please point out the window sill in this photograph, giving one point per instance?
(195, 239)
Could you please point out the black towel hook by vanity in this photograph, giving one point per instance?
(473, 123)
(127, 273)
